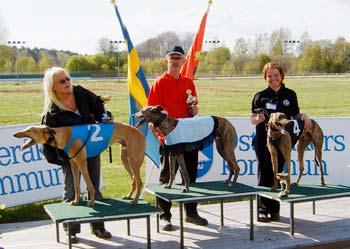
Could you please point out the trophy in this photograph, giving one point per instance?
(105, 117)
(191, 100)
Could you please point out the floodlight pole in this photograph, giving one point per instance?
(15, 43)
(214, 43)
(117, 43)
(293, 43)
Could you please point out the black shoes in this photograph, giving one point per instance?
(275, 216)
(102, 233)
(197, 220)
(263, 217)
(166, 225)
(73, 239)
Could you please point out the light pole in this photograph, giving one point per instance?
(292, 43)
(213, 43)
(15, 44)
(117, 43)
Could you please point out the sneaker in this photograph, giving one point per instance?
(73, 239)
(166, 225)
(275, 216)
(197, 220)
(102, 233)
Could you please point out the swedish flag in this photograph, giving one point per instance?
(138, 92)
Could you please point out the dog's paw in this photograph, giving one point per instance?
(90, 204)
(282, 194)
(74, 203)
(167, 186)
(126, 197)
(185, 190)
(133, 202)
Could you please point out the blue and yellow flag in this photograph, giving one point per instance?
(138, 92)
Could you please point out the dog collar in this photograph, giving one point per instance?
(51, 137)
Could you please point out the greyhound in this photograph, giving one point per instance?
(132, 143)
(282, 134)
(223, 132)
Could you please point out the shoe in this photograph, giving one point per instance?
(166, 225)
(102, 233)
(262, 217)
(275, 216)
(73, 239)
(197, 220)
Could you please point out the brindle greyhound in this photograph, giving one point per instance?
(132, 143)
(276, 131)
(225, 137)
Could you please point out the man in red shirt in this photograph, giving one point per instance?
(172, 91)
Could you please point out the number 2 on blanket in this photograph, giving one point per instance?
(95, 128)
(296, 128)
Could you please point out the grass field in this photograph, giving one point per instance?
(22, 104)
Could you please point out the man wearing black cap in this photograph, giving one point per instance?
(172, 90)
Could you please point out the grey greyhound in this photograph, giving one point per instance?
(223, 133)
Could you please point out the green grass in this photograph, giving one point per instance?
(22, 104)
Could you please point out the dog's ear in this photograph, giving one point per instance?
(283, 122)
(159, 108)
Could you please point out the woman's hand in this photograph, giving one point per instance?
(257, 118)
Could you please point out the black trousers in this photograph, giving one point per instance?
(191, 160)
(94, 168)
(265, 172)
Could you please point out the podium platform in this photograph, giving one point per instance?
(205, 191)
(306, 193)
(103, 210)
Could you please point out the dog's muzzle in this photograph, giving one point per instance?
(140, 117)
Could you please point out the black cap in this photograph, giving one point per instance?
(175, 50)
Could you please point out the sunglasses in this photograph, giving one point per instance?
(63, 81)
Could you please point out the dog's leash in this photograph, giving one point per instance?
(53, 139)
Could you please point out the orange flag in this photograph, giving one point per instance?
(190, 66)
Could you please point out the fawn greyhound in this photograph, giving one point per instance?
(282, 134)
(78, 149)
(223, 132)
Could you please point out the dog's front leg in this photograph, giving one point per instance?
(81, 162)
(286, 191)
(274, 160)
(184, 173)
(76, 181)
(172, 162)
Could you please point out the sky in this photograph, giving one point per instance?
(77, 25)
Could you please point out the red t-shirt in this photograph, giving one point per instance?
(171, 94)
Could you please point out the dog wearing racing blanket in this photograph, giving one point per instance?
(282, 135)
(79, 147)
(181, 135)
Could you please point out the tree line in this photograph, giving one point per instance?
(247, 56)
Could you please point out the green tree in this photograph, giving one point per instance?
(216, 58)
(7, 59)
(78, 63)
(26, 64)
(311, 59)
(44, 62)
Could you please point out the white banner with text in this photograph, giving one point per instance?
(335, 160)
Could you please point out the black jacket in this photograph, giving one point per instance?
(91, 110)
